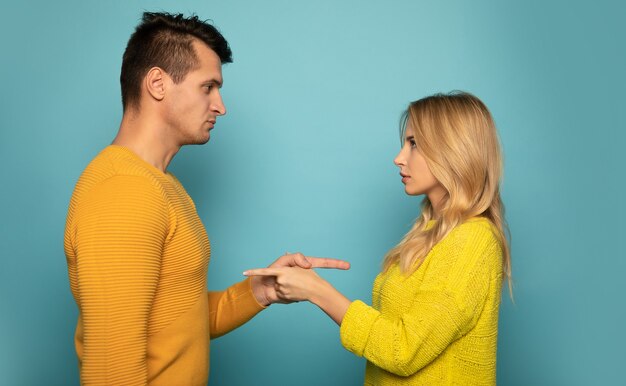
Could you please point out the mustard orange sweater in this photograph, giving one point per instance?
(438, 326)
(137, 256)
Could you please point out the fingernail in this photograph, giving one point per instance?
(245, 273)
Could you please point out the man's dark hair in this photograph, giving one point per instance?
(165, 40)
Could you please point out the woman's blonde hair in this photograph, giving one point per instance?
(457, 136)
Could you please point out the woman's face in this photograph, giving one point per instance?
(416, 175)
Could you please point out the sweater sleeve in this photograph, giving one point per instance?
(443, 310)
(120, 230)
(231, 308)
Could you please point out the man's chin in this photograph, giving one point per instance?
(198, 141)
(206, 138)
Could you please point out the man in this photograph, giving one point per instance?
(136, 250)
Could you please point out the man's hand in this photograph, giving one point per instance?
(264, 287)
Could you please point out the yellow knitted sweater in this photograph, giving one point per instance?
(438, 326)
(137, 256)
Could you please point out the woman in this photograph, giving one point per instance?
(434, 319)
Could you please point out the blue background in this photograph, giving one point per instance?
(303, 162)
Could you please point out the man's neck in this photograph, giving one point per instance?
(146, 138)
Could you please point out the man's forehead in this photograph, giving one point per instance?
(210, 65)
(205, 52)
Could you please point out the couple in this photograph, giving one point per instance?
(137, 252)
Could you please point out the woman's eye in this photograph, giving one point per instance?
(413, 143)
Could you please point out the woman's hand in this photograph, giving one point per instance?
(264, 286)
(292, 284)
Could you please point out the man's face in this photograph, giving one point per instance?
(194, 104)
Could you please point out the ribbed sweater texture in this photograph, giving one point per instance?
(439, 325)
(137, 256)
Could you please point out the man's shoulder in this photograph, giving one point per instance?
(115, 168)
(116, 161)
(115, 185)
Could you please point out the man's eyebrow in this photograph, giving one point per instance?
(214, 81)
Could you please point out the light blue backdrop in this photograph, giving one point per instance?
(303, 162)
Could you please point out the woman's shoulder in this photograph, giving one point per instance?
(474, 236)
(476, 227)
(470, 249)
(474, 243)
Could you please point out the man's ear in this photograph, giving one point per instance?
(155, 83)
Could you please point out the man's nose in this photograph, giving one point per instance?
(218, 105)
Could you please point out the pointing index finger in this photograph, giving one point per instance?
(262, 272)
(326, 262)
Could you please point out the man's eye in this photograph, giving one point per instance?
(209, 87)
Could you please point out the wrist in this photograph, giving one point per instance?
(258, 290)
(323, 290)
(331, 301)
